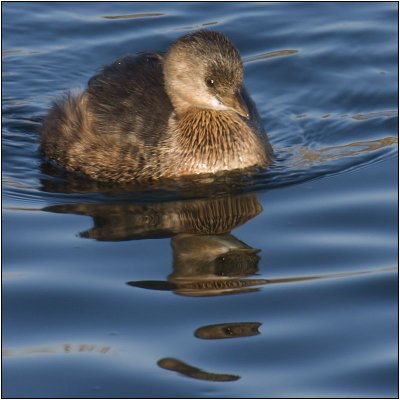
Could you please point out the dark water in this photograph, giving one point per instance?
(283, 285)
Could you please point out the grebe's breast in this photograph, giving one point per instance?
(208, 141)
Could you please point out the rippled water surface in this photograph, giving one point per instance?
(280, 285)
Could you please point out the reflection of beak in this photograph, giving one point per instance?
(236, 103)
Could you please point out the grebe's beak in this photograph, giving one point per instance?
(236, 103)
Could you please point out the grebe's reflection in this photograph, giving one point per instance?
(226, 331)
(207, 259)
(127, 221)
(173, 364)
(209, 265)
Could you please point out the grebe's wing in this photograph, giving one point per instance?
(128, 97)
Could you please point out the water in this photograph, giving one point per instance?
(284, 285)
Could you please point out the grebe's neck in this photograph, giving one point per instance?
(198, 127)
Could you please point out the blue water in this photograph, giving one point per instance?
(285, 285)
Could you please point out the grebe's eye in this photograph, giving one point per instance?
(210, 82)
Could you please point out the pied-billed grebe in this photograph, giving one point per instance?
(156, 115)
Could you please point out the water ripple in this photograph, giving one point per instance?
(134, 16)
(269, 54)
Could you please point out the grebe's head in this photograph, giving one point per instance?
(204, 70)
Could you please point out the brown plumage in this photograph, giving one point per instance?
(151, 116)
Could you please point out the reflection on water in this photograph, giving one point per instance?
(207, 259)
(228, 330)
(210, 265)
(127, 221)
(303, 157)
(192, 372)
(324, 154)
(67, 348)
